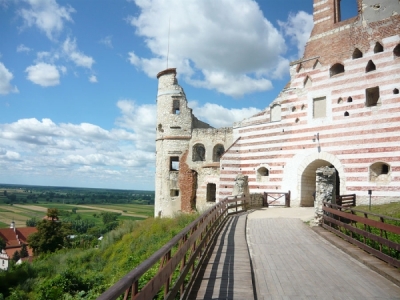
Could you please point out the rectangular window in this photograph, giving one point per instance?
(345, 9)
(372, 96)
(174, 193)
(211, 192)
(176, 107)
(319, 107)
(174, 163)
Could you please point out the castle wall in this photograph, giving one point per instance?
(349, 120)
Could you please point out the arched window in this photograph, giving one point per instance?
(396, 51)
(340, 100)
(307, 82)
(349, 99)
(378, 47)
(275, 113)
(198, 152)
(370, 67)
(346, 114)
(336, 69)
(218, 152)
(357, 53)
(379, 171)
(262, 174)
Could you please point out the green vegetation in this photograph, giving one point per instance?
(391, 210)
(85, 274)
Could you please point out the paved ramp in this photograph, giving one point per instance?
(292, 262)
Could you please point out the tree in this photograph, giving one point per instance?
(2, 244)
(51, 234)
(109, 217)
(24, 251)
(31, 222)
(16, 256)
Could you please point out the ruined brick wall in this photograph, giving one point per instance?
(353, 135)
(187, 185)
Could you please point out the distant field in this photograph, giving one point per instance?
(19, 213)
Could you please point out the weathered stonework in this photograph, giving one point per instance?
(341, 109)
(325, 190)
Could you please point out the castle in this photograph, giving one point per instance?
(341, 109)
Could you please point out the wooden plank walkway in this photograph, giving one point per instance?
(291, 261)
(226, 274)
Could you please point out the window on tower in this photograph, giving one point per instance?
(176, 107)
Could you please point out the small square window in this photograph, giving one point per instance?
(176, 107)
(174, 193)
(372, 96)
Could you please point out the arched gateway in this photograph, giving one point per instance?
(306, 175)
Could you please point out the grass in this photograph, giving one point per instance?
(22, 212)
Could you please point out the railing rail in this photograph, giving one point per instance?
(274, 199)
(180, 255)
(370, 232)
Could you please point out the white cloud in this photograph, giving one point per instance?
(298, 27)
(23, 48)
(219, 116)
(210, 49)
(5, 81)
(46, 15)
(93, 79)
(107, 41)
(43, 74)
(80, 59)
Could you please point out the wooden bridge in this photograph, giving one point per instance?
(233, 253)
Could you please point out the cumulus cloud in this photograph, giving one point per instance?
(23, 48)
(210, 49)
(118, 155)
(77, 57)
(46, 15)
(43, 74)
(107, 41)
(298, 27)
(5, 81)
(219, 116)
(93, 79)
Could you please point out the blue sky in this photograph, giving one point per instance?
(78, 85)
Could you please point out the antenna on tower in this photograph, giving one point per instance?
(169, 27)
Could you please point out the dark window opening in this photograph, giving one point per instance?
(378, 48)
(396, 91)
(198, 153)
(372, 96)
(346, 9)
(346, 114)
(340, 100)
(357, 53)
(336, 69)
(174, 193)
(218, 152)
(174, 163)
(349, 99)
(176, 107)
(370, 67)
(379, 171)
(396, 51)
(211, 192)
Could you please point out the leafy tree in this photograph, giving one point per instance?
(31, 222)
(51, 234)
(109, 217)
(16, 256)
(24, 251)
(2, 244)
(12, 197)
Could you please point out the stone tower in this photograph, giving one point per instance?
(174, 127)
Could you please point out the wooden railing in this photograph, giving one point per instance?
(275, 199)
(376, 234)
(179, 260)
(346, 200)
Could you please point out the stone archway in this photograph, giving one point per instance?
(306, 175)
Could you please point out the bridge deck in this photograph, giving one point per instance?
(227, 272)
(292, 262)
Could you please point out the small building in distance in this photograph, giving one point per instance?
(14, 239)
